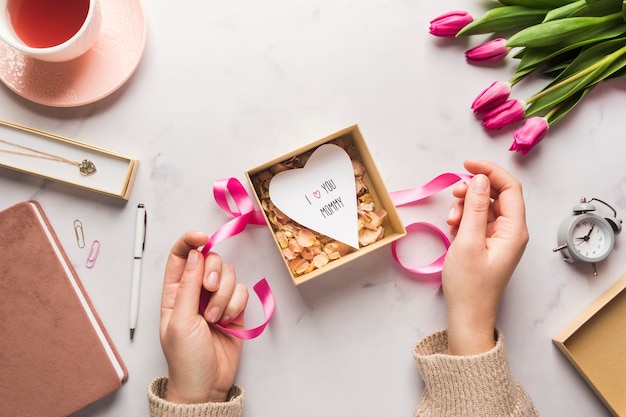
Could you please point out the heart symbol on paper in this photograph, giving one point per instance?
(333, 210)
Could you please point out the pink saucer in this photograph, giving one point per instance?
(90, 77)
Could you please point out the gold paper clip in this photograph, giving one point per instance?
(80, 235)
(94, 250)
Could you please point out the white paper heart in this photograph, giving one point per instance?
(322, 195)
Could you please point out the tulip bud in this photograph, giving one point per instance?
(494, 95)
(509, 112)
(493, 50)
(448, 24)
(529, 135)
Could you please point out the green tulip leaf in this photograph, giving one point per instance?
(568, 105)
(503, 18)
(582, 8)
(592, 65)
(537, 4)
(615, 67)
(519, 53)
(559, 95)
(591, 56)
(600, 8)
(565, 11)
(616, 74)
(532, 58)
(554, 71)
(572, 29)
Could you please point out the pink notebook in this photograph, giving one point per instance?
(55, 355)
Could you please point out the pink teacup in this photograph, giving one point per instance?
(50, 30)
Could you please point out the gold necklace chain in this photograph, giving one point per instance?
(86, 167)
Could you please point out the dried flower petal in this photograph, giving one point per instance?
(306, 238)
(333, 256)
(310, 252)
(359, 186)
(366, 198)
(295, 246)
(365, 206)
(367, 236)
(320, 260)
(371, 220)
(337, 247)
(358, 168)
(289, 254)
(299, 266)
(281, 239)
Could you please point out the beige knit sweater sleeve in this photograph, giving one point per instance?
(468, 386)
(159, 407)
(455, 386)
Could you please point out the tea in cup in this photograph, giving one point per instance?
(50, 30)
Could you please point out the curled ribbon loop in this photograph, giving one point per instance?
(414, 195)
(435, 266)
(263, 291)
(244, 214)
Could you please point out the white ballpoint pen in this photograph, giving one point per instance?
(139, 246)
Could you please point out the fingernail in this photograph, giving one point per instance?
(212, 281)
(225, 321)
(214, 314)
(480, 183)
(451, 213)
(192, 259)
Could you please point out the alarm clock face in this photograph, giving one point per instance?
(591, 238)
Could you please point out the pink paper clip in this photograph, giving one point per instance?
(94, 250)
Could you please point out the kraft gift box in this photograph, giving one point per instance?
(595, 344)
(393, 227)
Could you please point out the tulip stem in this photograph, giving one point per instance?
(551, 113)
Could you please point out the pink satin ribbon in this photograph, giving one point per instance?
(244, 215)
(414, 195)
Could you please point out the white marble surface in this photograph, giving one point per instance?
(224, 87)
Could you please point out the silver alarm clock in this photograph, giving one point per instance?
(587, 237)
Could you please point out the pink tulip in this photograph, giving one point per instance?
(448, 24)
(494, 95)
(506, 113)
(489, 51)
(530, 134)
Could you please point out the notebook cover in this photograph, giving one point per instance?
(55, 355)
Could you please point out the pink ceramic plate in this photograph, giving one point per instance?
(90, 77)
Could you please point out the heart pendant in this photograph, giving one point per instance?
(87, 167)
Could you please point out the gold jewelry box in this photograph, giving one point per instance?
(57, 158)
(595, 344)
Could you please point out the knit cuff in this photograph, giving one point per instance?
(159, 407)
(465, 385)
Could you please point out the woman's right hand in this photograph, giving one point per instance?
(489, 222)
